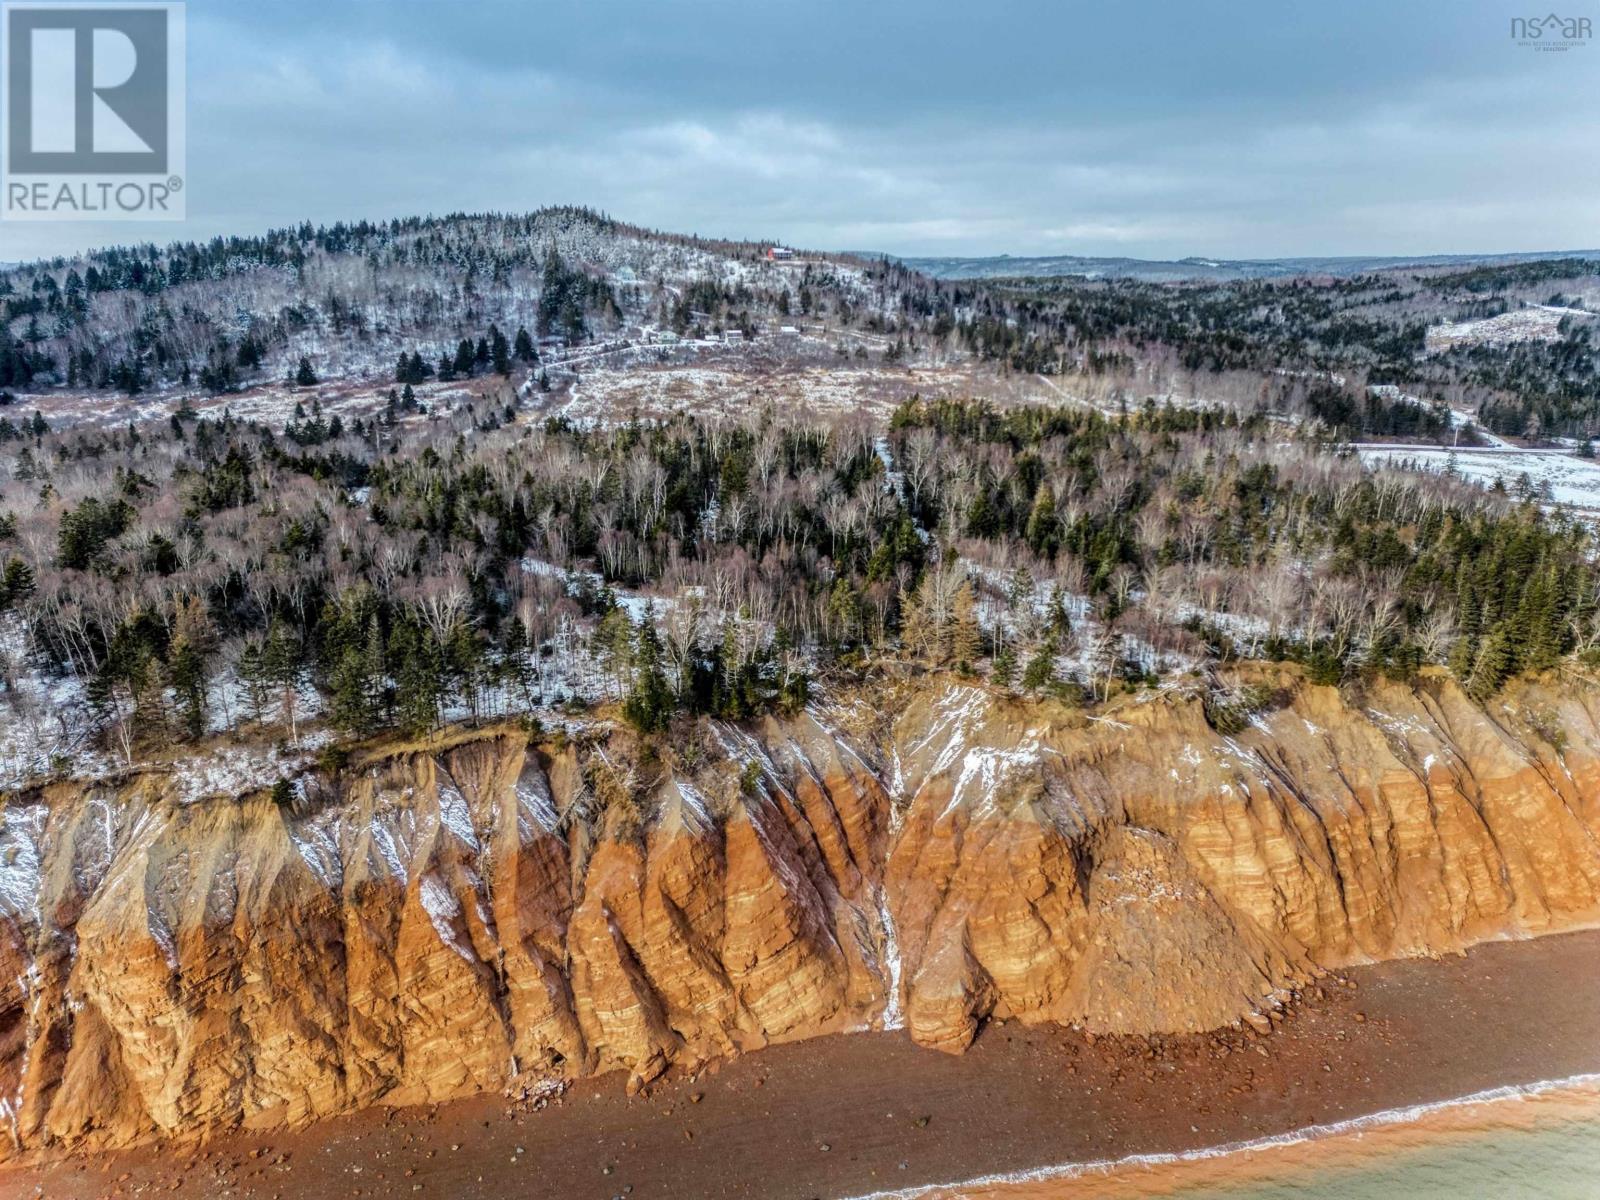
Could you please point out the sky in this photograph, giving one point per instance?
(1145, 128)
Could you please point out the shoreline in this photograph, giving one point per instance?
(870, 1115)
(1584, 1087)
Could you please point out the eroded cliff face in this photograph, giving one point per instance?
(421, 926)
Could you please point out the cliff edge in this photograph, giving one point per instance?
(490, 911)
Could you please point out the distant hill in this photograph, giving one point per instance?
(350, 298)
(1157, 270)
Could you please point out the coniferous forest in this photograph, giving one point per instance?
(414, 531)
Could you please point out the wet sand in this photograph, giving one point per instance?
(1535, 1144)
(848, 1116)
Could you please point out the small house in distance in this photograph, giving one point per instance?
(779, 254)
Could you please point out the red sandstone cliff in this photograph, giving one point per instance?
(424, 925)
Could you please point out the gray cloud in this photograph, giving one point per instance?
(1152, 129)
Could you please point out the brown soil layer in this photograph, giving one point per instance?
(846, 1115)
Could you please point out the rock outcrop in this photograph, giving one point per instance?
(422, 925)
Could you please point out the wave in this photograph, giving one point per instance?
(1309, 1133)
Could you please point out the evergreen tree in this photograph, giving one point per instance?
(965, 639)
(1491, 667)
(1059, 623)
(1463, 653)
(499, 351)
(613, 642)
(186, 676)
(1539, 629)
(649, 704)
(844, 610)
(1003, 669)
(16, 583)
(1469, 612)
(85, 530)
(464, 663)
(1019, 592)
(352, 705)
(420, 678)
(193, 642)
(1043, 530)
(282, 670)
(1041, 669)
(517, 662)
(304, 376)
(253, 675)
(126, 687)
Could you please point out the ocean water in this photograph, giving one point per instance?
(1540, 1142)
(1560, 1161)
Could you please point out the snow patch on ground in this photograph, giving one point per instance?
(21, 839)
(391, 850)
(316, 839)
(536, 810)
(237, 770)
(1549, 476)
(444, 911)
(1535, 323)
(984, 769)
(694, 807)
(958, 716)
(455, 815)
(894, 1016)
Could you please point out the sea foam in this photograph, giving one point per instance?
(1384, 1118)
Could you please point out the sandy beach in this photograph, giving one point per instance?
(862, 1114)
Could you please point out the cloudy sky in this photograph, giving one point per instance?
(1145, 128)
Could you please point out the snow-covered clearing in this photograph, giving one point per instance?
(271, 404)
(1552, 476)
(735, 386)
(1535, 323)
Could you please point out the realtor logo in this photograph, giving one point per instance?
(93, 111)
(1552, 32)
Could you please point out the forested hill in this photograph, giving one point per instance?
(1009, 266)
(352, 297)
(1514, 343)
